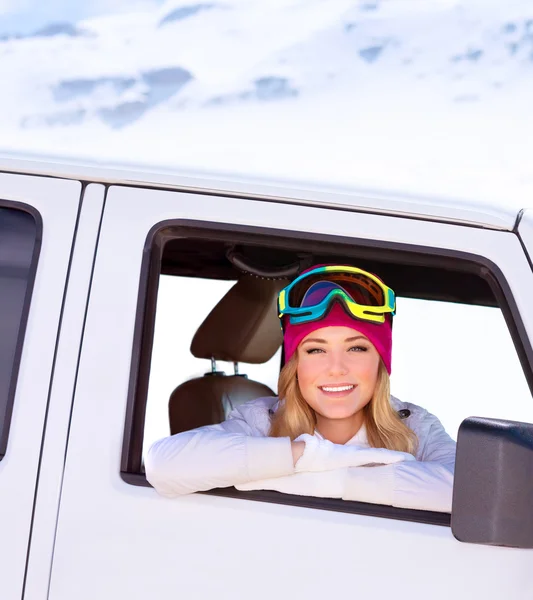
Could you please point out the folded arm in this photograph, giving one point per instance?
(425, 484)
(418, 485)
(215, 456)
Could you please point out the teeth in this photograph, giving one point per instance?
(341, 388)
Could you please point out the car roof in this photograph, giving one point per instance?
(429, 207)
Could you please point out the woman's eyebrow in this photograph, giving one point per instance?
(321, 341)
(315, 341)
(357, 337)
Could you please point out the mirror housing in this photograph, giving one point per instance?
(493, 485)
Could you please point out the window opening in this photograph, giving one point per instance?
(19, 248)
(466, 323)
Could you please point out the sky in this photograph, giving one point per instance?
(28, 16)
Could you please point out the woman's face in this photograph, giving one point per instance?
(337, 371)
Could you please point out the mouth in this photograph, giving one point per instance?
(337, 390)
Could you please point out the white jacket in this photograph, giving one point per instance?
(238, 452)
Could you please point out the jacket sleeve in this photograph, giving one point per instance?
(420, 485)
(438, 446)
(426, 484)
(215, 456)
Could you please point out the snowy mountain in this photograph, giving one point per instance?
(393, 92)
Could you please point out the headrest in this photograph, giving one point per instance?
(244, 325)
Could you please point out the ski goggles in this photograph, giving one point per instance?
(310, 296)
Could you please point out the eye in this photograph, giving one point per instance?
(358, 348)
(314, 350)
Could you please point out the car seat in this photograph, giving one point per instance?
(242, 327)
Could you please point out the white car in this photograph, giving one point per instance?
(94, 261)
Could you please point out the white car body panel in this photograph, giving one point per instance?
(423, 207)
(58, 420)
(525, 231)
(57, 201)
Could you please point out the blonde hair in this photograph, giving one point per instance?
(384, 427)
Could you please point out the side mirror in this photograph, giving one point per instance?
(493, 485)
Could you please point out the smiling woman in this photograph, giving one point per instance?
(344, 384)
(334, 415)
(320, 362)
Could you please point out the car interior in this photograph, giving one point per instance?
(244, 326)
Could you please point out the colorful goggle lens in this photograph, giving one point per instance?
(360, 288)
(310, 296)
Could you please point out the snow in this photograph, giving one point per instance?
(400, 95)
(413, 96)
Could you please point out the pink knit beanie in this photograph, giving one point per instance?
(380, 334)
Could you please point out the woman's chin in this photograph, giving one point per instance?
(338, 412)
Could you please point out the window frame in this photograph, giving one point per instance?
(5, 423)
(131, 463)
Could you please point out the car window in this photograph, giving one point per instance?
(19, 244)
(458, 350)
(457, 361)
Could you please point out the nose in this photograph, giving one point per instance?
(337, 363)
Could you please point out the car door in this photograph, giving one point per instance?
(58, 413)
(117, 538)
(38, 217)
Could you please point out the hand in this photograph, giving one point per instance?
(323, 455)
(297, 449)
